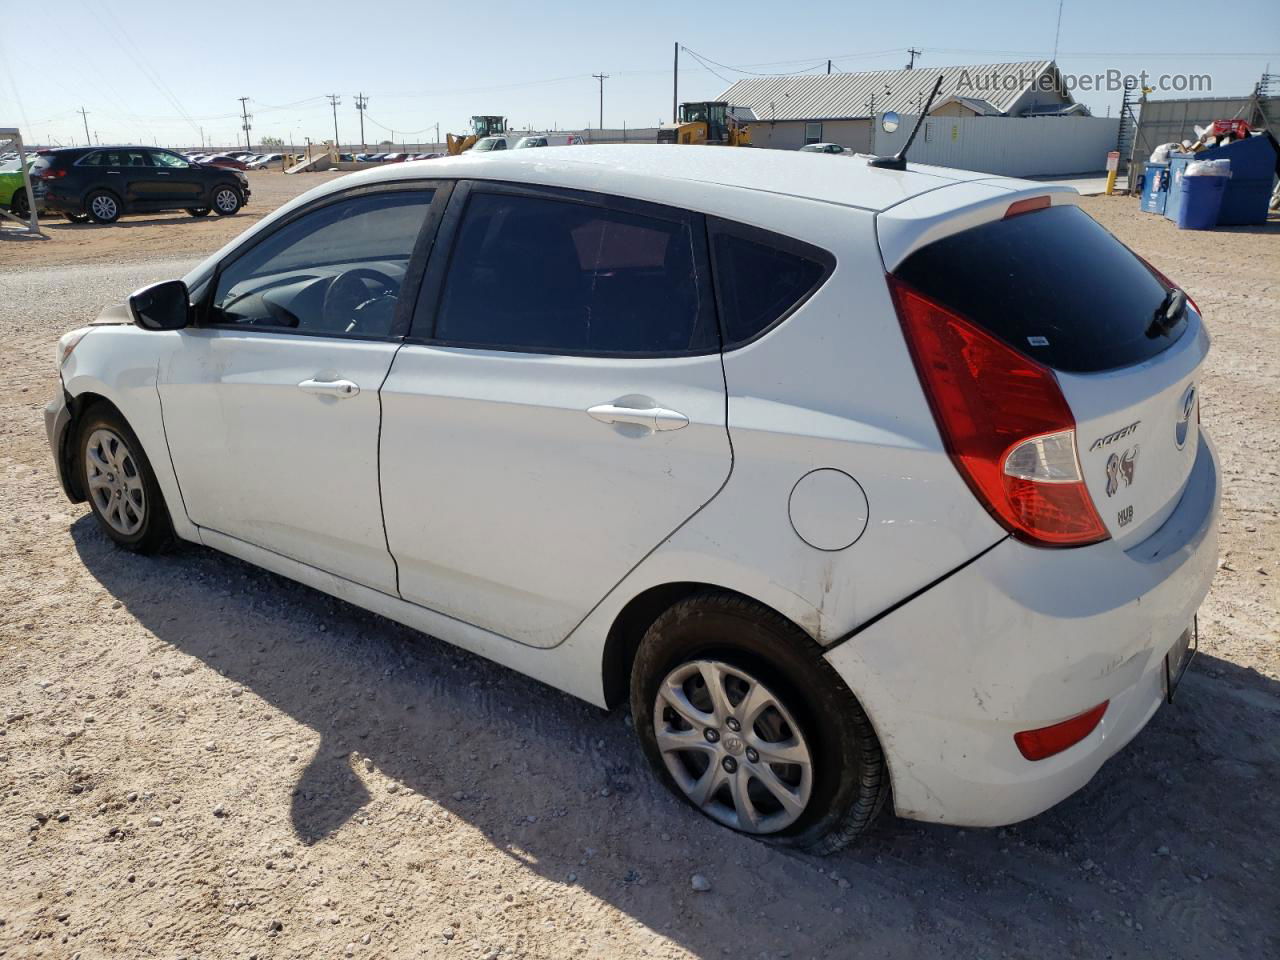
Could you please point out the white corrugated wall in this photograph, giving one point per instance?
(1009, 146)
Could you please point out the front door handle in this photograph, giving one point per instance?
(654, 418)
(330, 388)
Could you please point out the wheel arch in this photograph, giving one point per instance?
(633, 621)
(79, 406)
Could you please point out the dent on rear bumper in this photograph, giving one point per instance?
(1020, 639)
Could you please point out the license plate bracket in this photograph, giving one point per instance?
(1179, 658)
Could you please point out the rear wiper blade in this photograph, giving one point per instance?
(1168, 314)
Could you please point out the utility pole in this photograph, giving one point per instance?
(361, 102)
(1057, 33)
(602, 77)
(334, 100)
(244, 113)
(913, 53)
(675, 85)
(84, 115)
(437, 143)
(828, 68)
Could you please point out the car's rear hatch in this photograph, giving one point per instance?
(1046, 280)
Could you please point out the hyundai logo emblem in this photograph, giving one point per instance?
(1186, 408)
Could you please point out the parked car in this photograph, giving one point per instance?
(824, 148)
(485, 144)
(548, 140)
(13, 191)
(103, 183)
(833, 535)
(227, 162)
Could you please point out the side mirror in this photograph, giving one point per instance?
(161, 306)
(890, 121)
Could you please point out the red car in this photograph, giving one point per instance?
(222, 160)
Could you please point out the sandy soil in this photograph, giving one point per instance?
(201, 759)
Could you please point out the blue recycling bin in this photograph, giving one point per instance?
(1155, 189)
(1201, 201)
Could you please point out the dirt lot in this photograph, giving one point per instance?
(151, 236)
(201, 759)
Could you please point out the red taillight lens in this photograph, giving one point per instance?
(1005, 424)
(53, 173)
(1046, 741)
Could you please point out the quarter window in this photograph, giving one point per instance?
(761, 277)
(558, 276)
(335, 271)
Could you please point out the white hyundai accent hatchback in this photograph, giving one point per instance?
(853, 482)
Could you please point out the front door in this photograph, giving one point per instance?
(177, 181)
(271, 405)
(561, 417)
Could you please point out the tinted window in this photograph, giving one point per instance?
(1051, 283)
(92, 160)
(162, 159)
(337, 270)
(760, 277)
(565, 277)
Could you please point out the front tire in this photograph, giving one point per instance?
(103, 206)
(742, 718)
(120, 485)
(226, 200)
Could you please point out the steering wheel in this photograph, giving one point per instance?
(347, 295)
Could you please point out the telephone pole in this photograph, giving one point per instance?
(244, 113)
(334, 100)
(913, 53)
(84, 115)
(361, 102)
(675, 85)
(602, 77)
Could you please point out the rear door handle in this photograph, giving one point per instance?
(655, 418)
(330, 388)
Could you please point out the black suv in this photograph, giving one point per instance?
(104, 182)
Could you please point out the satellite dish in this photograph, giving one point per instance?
(889, 121)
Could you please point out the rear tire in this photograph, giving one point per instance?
(198, 211)
(833, 781)
(119, 483)
(77, 217)
(19, 207)
(103, 206)
(226, 200)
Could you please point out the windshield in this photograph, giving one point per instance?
(491, 143)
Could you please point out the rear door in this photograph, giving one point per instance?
(559, 410)
(1055, 285)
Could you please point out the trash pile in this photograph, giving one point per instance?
(1226, 176)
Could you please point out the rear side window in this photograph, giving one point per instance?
(761, 277)
(1051, 283)
(558, 276)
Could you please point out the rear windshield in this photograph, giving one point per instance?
(1051, 283)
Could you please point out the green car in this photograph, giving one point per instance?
(12, 195)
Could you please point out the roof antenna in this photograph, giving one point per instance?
(899, 160)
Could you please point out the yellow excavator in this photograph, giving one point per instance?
(709, 122)
(481, 127)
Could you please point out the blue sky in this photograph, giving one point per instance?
(161, 71)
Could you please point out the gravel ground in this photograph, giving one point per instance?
(197, 757)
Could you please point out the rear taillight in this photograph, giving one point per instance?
(1005, 424)
(1046, 741)
(53, 173)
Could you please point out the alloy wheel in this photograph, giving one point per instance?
(114, 481)
(225, 200)
(732, 746)
(104, 207)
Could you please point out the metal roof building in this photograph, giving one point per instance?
(1007, 89)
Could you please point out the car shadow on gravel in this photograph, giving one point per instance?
(1169, 851)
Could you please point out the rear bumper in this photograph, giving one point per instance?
(1023, 638)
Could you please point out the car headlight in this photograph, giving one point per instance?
(68, 343)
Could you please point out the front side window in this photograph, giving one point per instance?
(337, 270)
(168, 160)
(557, 276)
